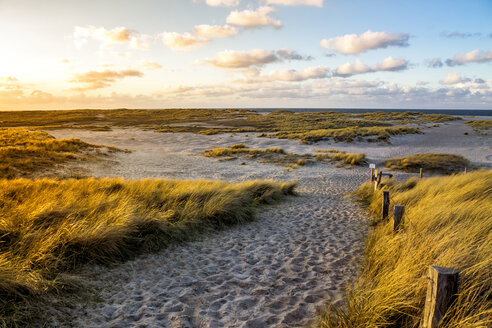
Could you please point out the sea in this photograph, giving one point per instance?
(459, 112)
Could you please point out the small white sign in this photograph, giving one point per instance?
(372, 166)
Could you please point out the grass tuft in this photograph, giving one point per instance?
(25, 153)
(433, 162)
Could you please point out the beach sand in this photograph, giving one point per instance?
(277, 271)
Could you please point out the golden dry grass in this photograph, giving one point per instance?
(279, 156)
(480, 126)
(447, 222)
(52, 226)
(341, 157)
(432, 162)
(25, 153)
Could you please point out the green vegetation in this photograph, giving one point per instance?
(306, 126)
(432, 162)
(26, 153)
(447, 222)
(279, 156)
(480, 126)
(53, 226)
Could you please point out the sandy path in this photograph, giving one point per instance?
(273, 272)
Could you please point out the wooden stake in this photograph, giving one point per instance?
(380, 176)
(442, 287)
(397, 216)
(372, 175)
(421, 173)
(386, 204)
(465, 170)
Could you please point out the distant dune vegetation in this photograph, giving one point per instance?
(308, 127)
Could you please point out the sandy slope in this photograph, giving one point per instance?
(274, 272)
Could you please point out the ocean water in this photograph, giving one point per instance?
(460, 112)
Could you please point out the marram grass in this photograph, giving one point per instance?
(430, 162)
(447, 222)
(26, 154)
(48, 227)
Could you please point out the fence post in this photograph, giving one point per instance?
(443, 285)
(386, 204)
(397, 216)
(465, 170)
(372, 174)
(421, 173)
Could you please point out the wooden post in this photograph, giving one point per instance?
(380, 176)
(397, 216)
(386, 204)
(372, 175)
(421, 173)
(443, 285)
(465, 170)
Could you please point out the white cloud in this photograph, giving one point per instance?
(253, 18)
(208, 32)
(101, 79)
(474, 56)
(316, 3)
(108, 38)
(181, 42)
(454, 78)
(242, 59)
(253, 59)
(354, 44)
(150, 65)
(388, 64)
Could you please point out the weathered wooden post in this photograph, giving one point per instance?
(465, 170)
(380, 176)
(421, 173)
(386, 204)
(372, 174)
(397, 216)
(443, 285)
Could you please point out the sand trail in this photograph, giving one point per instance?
(274, 272)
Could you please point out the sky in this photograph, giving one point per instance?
(245, 54)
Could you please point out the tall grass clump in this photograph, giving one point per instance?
(448, 223)
(25, 153)
(433, 162)
(48, 227)
(480, 126)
